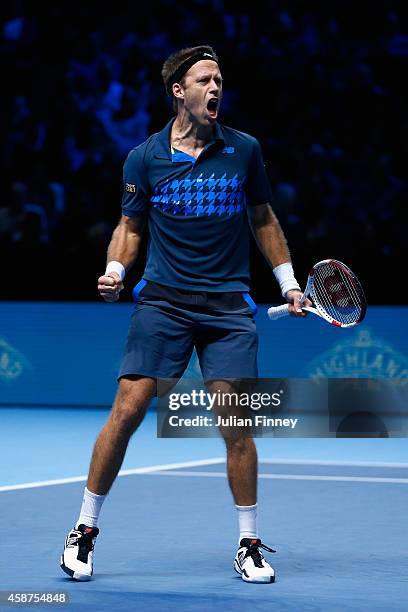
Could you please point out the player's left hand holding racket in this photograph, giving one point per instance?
(109, 286)
(296, 301)
(336, 295)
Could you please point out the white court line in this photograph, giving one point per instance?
(219, 460)
(142, 470)
(378, 464)
(288, 477)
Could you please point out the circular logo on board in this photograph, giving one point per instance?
(12, 362)
(363, 356)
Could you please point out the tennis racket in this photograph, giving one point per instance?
(335, 292)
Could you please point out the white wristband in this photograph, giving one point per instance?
(286, 278)
(116, 266)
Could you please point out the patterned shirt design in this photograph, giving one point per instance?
(201, 196)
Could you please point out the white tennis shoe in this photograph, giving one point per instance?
(250, 562)
(77, 558)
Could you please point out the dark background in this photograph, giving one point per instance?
(322, 85)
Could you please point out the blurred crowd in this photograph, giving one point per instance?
(321, 85)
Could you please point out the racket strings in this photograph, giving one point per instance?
(337, 292)
(341, 298)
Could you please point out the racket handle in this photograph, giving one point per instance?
(276, 312)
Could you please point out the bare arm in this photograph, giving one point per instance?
(125, 242)
(124, 248)
(272, 243)
(268, 234)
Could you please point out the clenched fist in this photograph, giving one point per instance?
(109, 286)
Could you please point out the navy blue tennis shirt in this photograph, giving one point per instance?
(198, 225)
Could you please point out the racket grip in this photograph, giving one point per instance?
(276, 312)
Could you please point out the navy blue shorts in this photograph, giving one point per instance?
(167, 323)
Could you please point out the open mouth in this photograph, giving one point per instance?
(212, 107)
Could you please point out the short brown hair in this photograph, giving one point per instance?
(174, 61)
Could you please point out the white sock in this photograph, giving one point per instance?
(90, 509)
(247, 521)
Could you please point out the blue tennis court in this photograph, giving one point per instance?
(168, 532)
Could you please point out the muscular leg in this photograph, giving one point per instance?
(242, 476)
(242, 461)
(132, 399)
(242, 468)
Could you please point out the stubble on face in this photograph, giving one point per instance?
(202, 91)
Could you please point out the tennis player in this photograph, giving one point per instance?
(200, 186)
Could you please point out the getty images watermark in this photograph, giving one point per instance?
(222, 400)
(285, 407)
